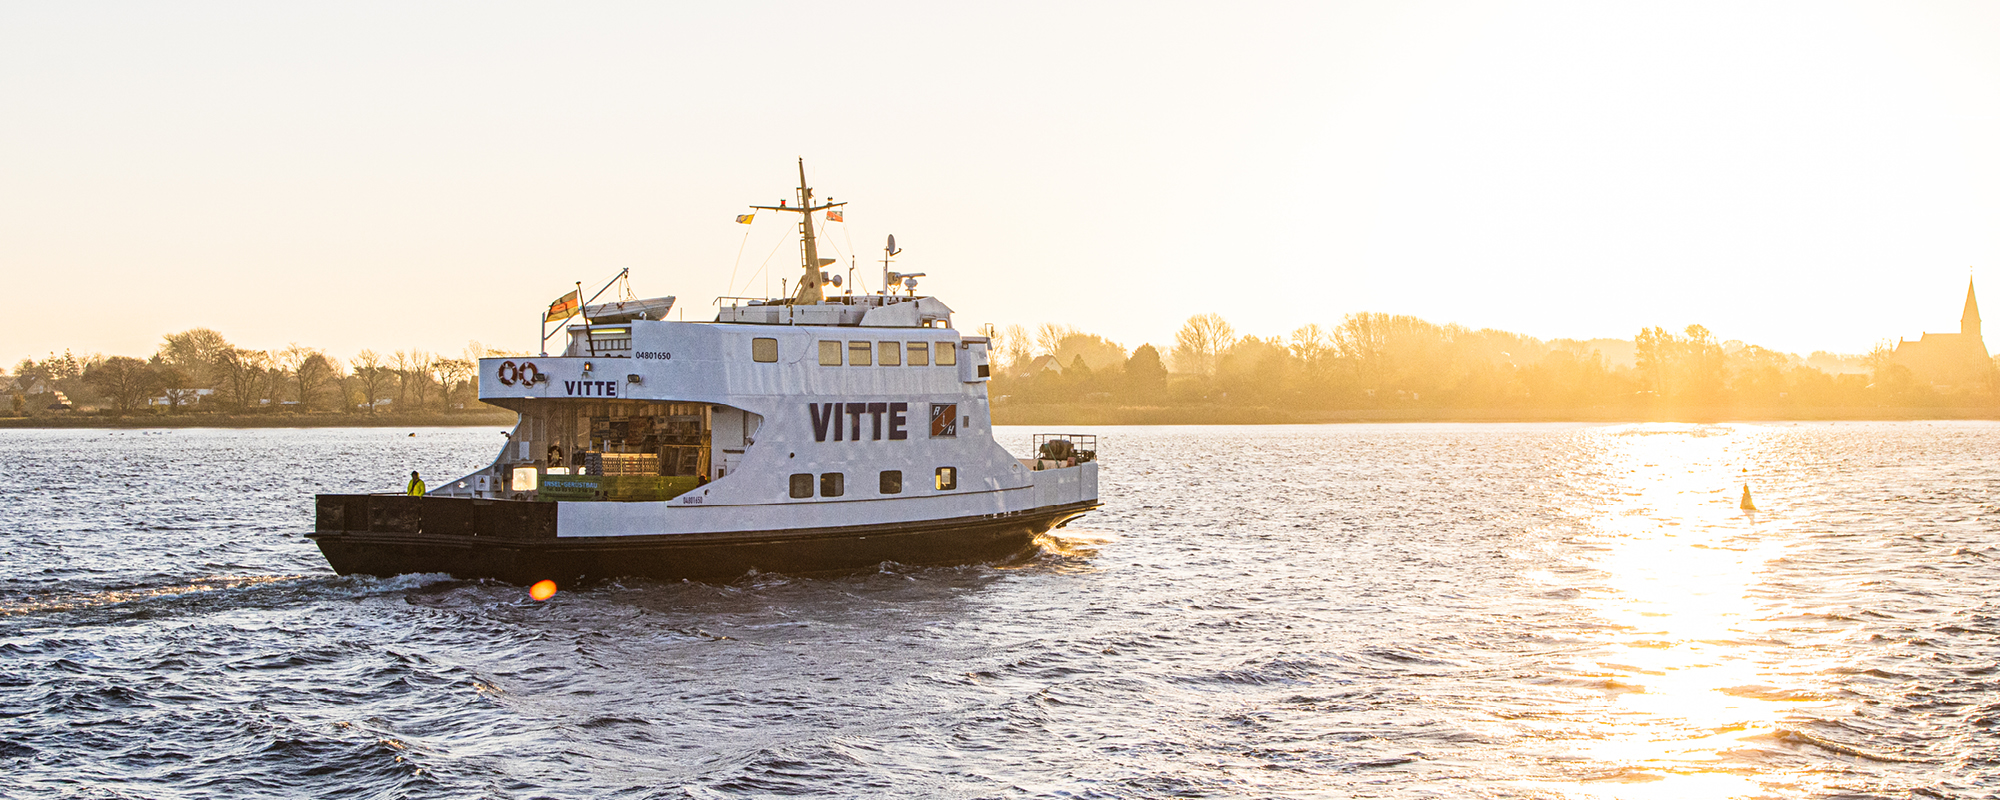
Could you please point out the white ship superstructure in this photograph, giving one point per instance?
(806, 433)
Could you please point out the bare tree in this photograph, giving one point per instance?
(1363, 339)
(413, 378)
(125, 381)
(372, 373)
(175, 384)
(455, 375)
(1200, 341)
(1015, 349)
(1880, 357)
(1310, 343)
(310, 371)
(198, 353)
(1048, 337)
(246, 377)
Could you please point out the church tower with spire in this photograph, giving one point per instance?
(1949, 361)
(1968, 324)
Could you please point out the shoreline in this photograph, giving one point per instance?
(503, 419)
(1099, 415)
(1262, 415)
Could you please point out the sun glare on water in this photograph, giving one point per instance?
(1686, 673)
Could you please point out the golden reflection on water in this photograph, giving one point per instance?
(1686, 674)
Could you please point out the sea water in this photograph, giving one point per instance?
(1395, 611)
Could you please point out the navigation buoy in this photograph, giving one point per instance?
(544, 590)
(1746, 505)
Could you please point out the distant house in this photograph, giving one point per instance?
(1946, 360)
(1042, 364)
(181, 397)
(38, 391)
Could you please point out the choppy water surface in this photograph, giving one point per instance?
(1381, 611)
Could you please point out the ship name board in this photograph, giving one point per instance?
(845, 421)
(590, 388)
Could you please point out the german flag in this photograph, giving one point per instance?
(564, 307)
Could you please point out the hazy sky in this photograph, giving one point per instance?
(394, 175)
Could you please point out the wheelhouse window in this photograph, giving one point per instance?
(609, 340)
(920, 354)
(947, 354)
(832, 484)
(892, 481)
(890, 354)
(764, 351)
(829, 354)
(947, 478)
(802, 485)
(858, 354)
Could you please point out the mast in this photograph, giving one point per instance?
(809, 285)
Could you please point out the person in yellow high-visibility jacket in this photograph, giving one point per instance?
(416, 485)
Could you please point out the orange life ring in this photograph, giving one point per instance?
(529, 374)
(508, 373)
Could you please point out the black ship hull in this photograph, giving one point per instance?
(516, 542)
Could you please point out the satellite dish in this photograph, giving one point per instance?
(835, 280)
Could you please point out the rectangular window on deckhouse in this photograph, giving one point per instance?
(829, 354)
(764, 351)
(947, 354)
(947, 478)
(802, 485)
(892, 481)
(920, 354)
(857, 354)
(891, 353)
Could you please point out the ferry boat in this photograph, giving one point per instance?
(811, 433)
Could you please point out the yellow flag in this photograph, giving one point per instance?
(745, 218)
(563, 308)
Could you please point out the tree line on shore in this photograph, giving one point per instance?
(200, 371)
(1366, 361)
(1377, 361)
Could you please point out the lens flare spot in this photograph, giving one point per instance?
(542, 590)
